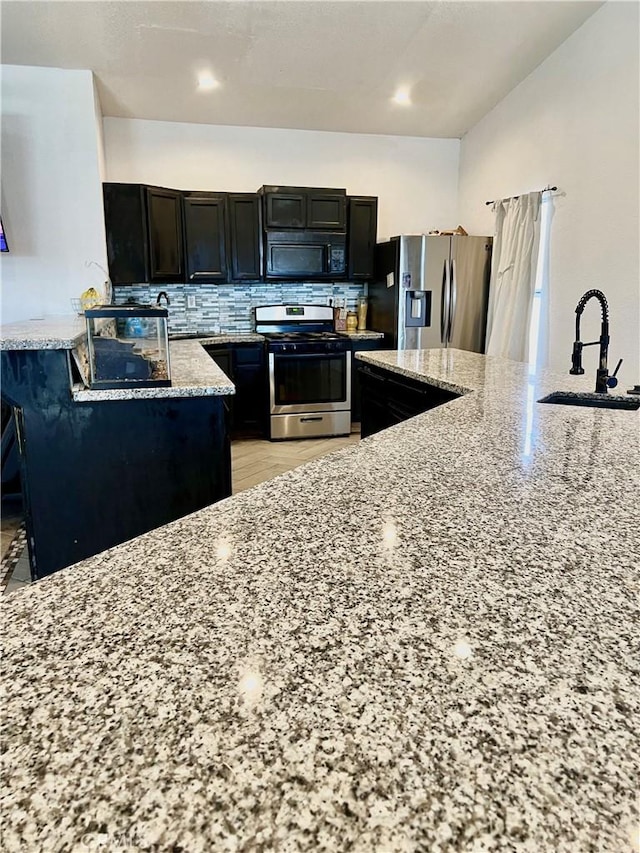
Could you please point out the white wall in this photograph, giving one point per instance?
(574, 123)
(415, 179)
(51, 193)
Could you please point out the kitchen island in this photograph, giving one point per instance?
(423, 642)
(98, 466)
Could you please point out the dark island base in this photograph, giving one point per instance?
(97, 474)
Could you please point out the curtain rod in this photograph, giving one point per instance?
(545, 190)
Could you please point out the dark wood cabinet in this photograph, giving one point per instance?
(164, 220)
(144, 234)
(326, 210)
(245, 365)
(305, 207)
(285, 209)
(356, 396)
(205, 237)
(362, 231)
(166, 236)
(245, 233)
(127, 234)
(389, 398)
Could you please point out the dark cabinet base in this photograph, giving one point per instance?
(359, 346)
(97, 474)
(245, 365)
(389, 398)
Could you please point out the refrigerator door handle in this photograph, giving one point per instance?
(452, 301)
(444, 304)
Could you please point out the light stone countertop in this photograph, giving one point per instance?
(220, 337)
(193, 374)
(423, 642)
(55, 332)
(364, 335)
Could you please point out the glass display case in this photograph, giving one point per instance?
(128, 346)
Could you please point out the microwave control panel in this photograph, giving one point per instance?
(337, 259)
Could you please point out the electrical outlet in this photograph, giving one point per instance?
(191, 301)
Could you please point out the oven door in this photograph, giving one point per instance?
(309, 382)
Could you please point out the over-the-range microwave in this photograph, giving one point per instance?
(305, 254)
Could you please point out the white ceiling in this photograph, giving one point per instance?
(312, 65)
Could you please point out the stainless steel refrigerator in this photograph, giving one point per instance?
(431, 291)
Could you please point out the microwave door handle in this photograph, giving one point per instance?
(444, 303)
(328, 261)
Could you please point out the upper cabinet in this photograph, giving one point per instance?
(205, 237)
(160, 235)
(165, 236)
(327, 209)
(362, 230)
(144, 233)
(285, 209)
(304, 207)
(245, 236)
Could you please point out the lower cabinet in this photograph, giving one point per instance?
(245, 365)
(359, 346)
(388, 398)
(120, 467)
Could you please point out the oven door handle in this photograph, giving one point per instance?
(309, 354)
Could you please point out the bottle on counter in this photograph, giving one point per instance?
(362, 313)
(352, 321)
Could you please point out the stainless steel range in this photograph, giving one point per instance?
(309, 371)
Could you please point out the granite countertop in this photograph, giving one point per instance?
(364, 335)
(426, 641)
(193, 374)
(219, 337)
(57, 332)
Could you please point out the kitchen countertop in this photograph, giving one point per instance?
(57, 332)
(364, 335)
(220, 337)
(193, 374)
(421, 642)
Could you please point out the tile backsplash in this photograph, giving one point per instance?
(227, 307)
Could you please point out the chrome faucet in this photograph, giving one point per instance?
(159, 297)
(603, 380)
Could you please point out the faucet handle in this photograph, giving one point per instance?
(576, 359)
(612, 381)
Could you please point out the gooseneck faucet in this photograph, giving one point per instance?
(160, 295)
(603, 380)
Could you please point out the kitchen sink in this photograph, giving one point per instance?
(598, 401)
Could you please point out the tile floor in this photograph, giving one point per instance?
(253, 461)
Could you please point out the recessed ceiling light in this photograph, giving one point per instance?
(402, 97)
(206, 81)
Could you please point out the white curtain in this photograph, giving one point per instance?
(513, 275)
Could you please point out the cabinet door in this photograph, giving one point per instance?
(251, 400)
(245, 236)
(327, 211)
(362, 230)
(126, 233)
(204, 237)
(165, 235)
(285, 210)
(356, 394)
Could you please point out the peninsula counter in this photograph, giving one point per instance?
(426, 642)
